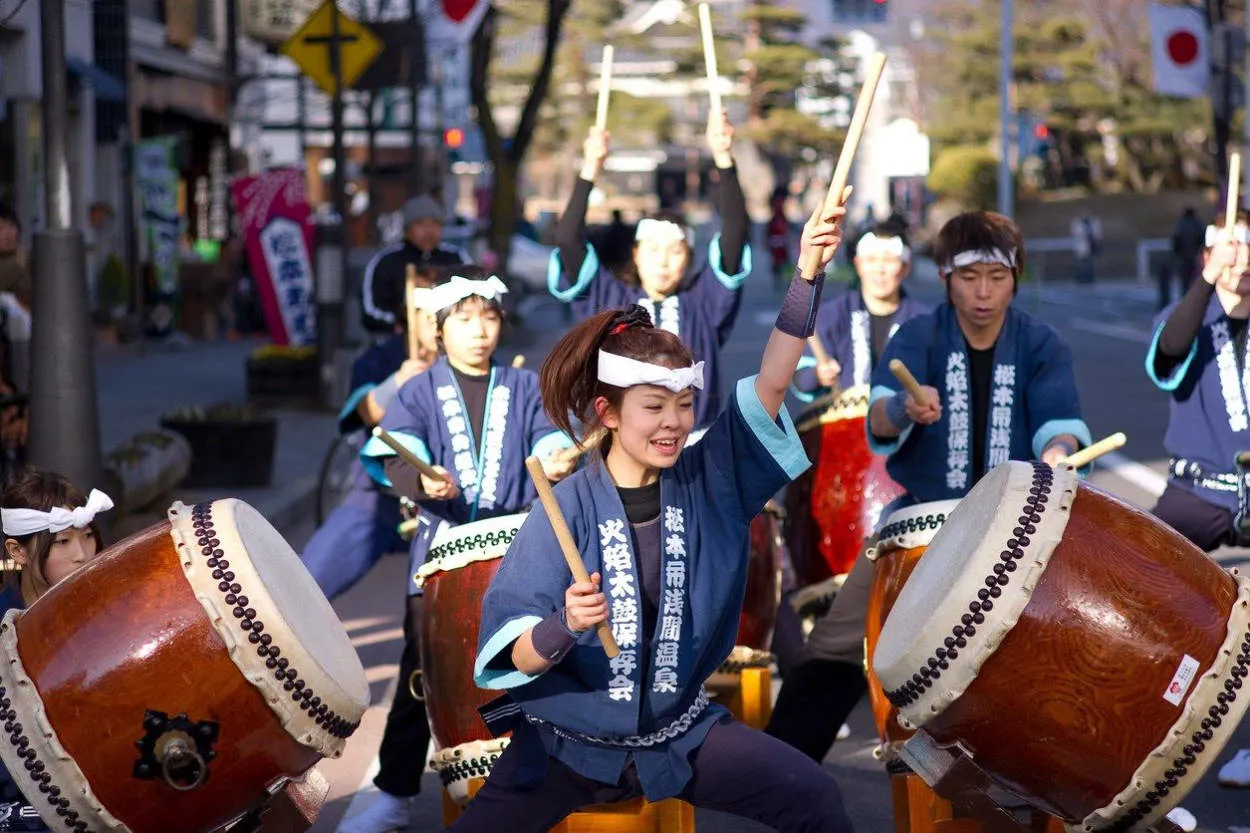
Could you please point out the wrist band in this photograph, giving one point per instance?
(797, 316)
(896, 411)
(385, 393)
(551, 638)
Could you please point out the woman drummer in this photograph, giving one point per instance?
(475, 421)
(697, 303)
(666, 532)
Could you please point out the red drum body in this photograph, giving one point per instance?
(902, 541)
(763, 594)
(177, 679)
(462, 562)
(833, 506)
(1088, 658)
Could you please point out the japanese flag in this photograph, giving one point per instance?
(1178, 50)
(456, 21)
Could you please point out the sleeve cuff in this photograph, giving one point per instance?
(715, 260)
(349, 417)
(1057, 427)
(486, 677)
(550, 443)
(875, 444)
(780, 440)
(1173, 381)
(375, 451)
(555, 271)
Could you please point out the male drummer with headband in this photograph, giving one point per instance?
(999, 386)
(854, 327)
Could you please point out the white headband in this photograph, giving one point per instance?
(663, 231)
(972, 256)
(422, 297)
(1215, 234)
(871, 244)
(457, 289)
(624, 372)
(19, 523)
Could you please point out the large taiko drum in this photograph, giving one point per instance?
(175, 680)
(1089, 658)
(763, 594)
(903, 538)
(461, 564)
(833, 506)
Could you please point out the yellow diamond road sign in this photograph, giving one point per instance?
(311, 46)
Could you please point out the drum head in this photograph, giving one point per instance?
(912, 526)
(851, 403)
(969, 588)
(454, 547)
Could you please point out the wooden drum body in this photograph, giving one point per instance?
(462, 562)
(171, 682)
(834, 506)
(900, 544)
(1086, 656)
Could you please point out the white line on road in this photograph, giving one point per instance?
(1142, 477)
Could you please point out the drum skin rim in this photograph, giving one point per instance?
(918, 703)
(1151, 776)
(450, 536)
(850, 403)
(928, 517)
(476, 756)
(343, 712)
(42, 739)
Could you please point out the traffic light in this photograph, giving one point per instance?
(453, 138)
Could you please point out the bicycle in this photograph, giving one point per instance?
(337, 473)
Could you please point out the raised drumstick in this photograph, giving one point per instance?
(910, 384)
(407, 455)
(1090, 453)
(1230, 210)
(410, 285)
(709, 60)
(518, 361)
(605, 86)
(833, 198)
(567, 545)
(589, 442)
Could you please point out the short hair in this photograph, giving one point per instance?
(977, 230)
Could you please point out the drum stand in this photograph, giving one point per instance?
(289, 807)
(954, 775)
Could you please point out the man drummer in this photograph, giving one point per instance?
(855, 326)
(999, 386)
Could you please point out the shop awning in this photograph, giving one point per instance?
(107, 87)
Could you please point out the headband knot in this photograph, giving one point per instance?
(18, 523)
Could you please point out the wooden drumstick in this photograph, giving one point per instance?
(833, 198)
(910, 384)
(589, 442)
(408, 457)
(605, 86)
(709, 61)
(518, 361)
(567, 545)
(1090, 453)
(818, 349)
(410, 286)
(1230, 211)
(1243, 459)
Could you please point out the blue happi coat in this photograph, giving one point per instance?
(708, 500)
(844, 327)
(429, 418)
(702, 312)
(1208, 422)
(1033, 399)
(370, 369)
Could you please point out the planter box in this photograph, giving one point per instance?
(279, 383)
(228, 453)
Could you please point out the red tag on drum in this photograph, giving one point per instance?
(1181, 680)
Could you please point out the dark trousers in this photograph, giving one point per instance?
(736, 770)
(406, 739)
(1208, 526)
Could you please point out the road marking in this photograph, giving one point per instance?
(1143, 477)
(1111, 330)
(392, 635)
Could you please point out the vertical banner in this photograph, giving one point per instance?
(274, 216)
(156, 176)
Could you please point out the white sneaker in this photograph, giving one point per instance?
(387, 814)
(1236, 773)
(1183, 819)
(844, 732)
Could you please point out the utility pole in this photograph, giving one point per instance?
(416, 77)
(1006, 53)
(64, 416)
(332, 267)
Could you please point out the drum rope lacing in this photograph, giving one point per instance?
(912, 525)
(673, 730)
(1197, 745)
(1030, 516)
(471, 544)
(37, 769)
(301, 694)
(462, 769)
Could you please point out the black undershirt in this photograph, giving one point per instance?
(980, 380)
(406, 480)
(642, 510)
(880, 329)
